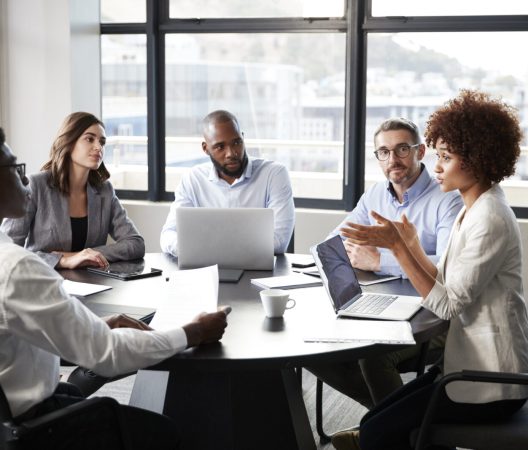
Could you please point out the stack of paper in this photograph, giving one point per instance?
(363, 331)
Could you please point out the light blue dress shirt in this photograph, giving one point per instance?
(264, 184)
(430, 210)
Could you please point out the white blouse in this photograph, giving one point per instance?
(479, 289)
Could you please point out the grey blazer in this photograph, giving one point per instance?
(46, 227)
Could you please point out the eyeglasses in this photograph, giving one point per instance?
(20, 168)
(401, 151)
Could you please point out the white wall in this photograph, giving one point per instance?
(48, 52)
(311, 226)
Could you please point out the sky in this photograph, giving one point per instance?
(490, 51)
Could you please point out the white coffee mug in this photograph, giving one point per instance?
(275, 301)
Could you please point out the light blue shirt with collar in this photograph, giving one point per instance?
(264, 184)
(430, 210)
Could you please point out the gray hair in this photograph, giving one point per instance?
(400, 123)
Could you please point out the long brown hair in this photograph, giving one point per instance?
(60, 153)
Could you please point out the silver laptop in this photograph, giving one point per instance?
(344, 290)
(233, 238)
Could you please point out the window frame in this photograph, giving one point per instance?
(357, 24)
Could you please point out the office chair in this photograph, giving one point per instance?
(89, 424)
(425, 357)
(511, 434)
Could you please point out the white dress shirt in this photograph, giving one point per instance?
(479, 288)
(40, 322)
(264, 184)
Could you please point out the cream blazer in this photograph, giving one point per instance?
(46, 227)
(479, 289)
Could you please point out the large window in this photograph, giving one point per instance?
(412, 74)
(124, 106)
(309, 81)
(290, 108)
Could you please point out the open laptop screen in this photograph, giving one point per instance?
(342, 283)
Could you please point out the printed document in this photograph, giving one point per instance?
(188, 293)
(363, 331)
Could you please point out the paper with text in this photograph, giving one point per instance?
(83, 289)
(364, 331)
(188, 293)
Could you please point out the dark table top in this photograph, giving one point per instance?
(251, 340)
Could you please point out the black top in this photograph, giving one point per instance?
(79, 228)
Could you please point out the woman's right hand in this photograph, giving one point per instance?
(84, 258)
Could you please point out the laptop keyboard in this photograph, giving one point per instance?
(371, 304)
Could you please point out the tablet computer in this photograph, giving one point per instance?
(126, 270)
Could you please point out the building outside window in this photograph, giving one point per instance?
(292, 73)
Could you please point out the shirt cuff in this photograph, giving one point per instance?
(436, 300)
(177, 338)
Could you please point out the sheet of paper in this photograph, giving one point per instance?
(188, 293)
(364, 331)
(83, 289)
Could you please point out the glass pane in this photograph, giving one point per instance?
(412, 74)
(287, 91)
(124, 93)
(242, 8)
(123, 11)
(448, 8)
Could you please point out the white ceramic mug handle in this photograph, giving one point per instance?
(290, 300)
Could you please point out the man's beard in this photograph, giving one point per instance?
(231, 173)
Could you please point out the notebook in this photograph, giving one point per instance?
(344, 290)
(232, 238)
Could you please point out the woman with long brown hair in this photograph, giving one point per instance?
(73, 207)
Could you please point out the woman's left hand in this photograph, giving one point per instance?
(385, 235)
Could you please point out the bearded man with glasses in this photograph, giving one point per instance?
(411, 190)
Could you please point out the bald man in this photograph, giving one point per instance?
(232, 180)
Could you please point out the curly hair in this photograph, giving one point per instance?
(60, 154)
(485, 132)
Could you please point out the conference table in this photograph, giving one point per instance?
(242, 392)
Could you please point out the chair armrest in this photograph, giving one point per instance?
(76, 409)
(57, 424)
(464, 375)
(493, 377)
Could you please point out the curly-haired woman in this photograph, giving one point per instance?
(477, 284)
